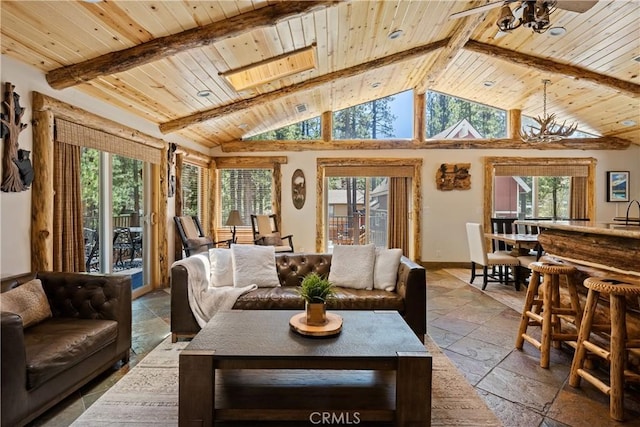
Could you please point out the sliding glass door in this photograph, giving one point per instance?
(113, 196)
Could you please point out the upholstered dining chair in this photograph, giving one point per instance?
(480, 256)
(192, 237)
(266, 233)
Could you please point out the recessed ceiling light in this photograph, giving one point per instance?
(92, 1)
(395, 34)
(204, 93)
(488, 83)
(243, 125)
(637, 59)
(557, 31)
(628, 122)
(375, 84)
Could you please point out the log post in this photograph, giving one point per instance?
(177, 201)
(514, 123)
(326, 123)
(42, 192)
(419, 125)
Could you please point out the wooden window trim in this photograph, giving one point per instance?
(325, 164)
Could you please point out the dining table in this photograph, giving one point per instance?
(522, 243)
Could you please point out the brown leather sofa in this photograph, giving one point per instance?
(89, 332)
(409, 297)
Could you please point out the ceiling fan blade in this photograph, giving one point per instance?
(579, 6)
(479, 9)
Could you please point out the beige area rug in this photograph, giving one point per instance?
(148, 395)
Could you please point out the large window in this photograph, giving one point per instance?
(539, 188)
(448, 117)
(191, 187)
(357, 211)
(532, 197)
(363, 201)
(250, 191)
(307, 129)
(389, 117)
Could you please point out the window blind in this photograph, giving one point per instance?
(75, 134)
(367, 171)
(542, 170)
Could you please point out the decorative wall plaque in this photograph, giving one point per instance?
(298, 189)
(453, 176)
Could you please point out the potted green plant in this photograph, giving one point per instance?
(316, 290)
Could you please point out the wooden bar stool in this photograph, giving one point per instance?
(619, 342)
(553, 313)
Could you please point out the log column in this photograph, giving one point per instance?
(42, 191)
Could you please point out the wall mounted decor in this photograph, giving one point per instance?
(17, 173)
(453, 176)
(171, 178)
(617, 186)
(298, 189)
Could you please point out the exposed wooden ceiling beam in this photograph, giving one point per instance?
(546, 65)
(153, 50)
(202, 116)
(461, 35)
(600, 143)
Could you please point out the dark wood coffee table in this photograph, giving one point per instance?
(248, 365)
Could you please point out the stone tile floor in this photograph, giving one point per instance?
(475, 329)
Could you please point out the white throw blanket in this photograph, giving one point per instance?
(206, 301)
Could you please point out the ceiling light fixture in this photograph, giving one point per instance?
(375, 84)
(628, 122)
(488, 83)
(637, 59)
(535, 15)
(272, 69)
(204, 93)
(549, 130)
(557, 31)
(395, 34)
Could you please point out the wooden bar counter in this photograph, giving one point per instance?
(600, 250)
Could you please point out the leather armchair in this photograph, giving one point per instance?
(89, 332)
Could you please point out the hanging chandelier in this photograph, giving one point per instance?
(548, 130)
(535, 15)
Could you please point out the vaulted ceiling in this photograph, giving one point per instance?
(151, 58)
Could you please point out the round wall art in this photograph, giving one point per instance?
(298, 189)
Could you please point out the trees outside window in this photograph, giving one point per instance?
(306, 129)
(444, 111)
(247, 190)
(191, 190)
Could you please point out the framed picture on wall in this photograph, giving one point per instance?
(617, 186)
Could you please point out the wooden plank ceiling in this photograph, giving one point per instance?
(151, 58)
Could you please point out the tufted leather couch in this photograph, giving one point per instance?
(409, 297)
(89, 332)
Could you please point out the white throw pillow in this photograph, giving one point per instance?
(221, 265)
(352, 266)
(385, 272)
(254, 264)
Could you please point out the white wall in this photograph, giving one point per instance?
(443, 213)
(15, 208)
